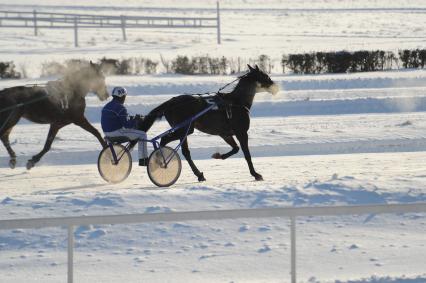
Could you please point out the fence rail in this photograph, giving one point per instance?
(47, 20)
(290, 212)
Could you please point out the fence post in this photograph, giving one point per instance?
(70, 254)
(293, 248)
(35, 22)
(75, 32)
(123, 27)
(218, 23)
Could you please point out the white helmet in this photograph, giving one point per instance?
(119, 91)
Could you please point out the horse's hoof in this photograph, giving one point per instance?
(258, 177)
(12, 163)
(217, 155)
(201, 177)
(30, 164)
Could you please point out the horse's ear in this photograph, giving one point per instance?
(250, 68)
(95, 66)
(257, 68)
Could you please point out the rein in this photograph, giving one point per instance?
(220, 89)
(237, 79)
(16, 106)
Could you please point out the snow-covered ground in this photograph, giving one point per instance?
(322, 140)
(298, 155)
(329, 248)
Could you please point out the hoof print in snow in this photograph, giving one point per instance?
(6, 200)
(334, 250)
(181, 226)
(244, 228)
(264, 229)
(96, 234)
(353, 247)
(206, 256)
(265, 249)
(157, 209)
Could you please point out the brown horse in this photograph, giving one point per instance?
(59, 103)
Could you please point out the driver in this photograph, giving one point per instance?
(117, 123)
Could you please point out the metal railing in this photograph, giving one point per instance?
(290, 212)
(48, 20)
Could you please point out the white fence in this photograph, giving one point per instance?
(291, 212)
(37, 20)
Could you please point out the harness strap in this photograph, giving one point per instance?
(237, 79)
(228, 110)
(7, 120)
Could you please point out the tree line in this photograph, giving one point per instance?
(357, 61)
(303, 63)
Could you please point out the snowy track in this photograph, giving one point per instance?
(202, 249)
(271, 136)
(373, 129)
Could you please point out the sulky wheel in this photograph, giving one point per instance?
(111, 171)
(164, 166)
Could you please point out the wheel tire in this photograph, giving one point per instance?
(160, 175)
(114, 173)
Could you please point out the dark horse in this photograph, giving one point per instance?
(232, 118)
(59, 103)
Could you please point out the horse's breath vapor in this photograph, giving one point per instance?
(272, 89)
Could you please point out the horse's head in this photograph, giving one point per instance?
(263, 81)
(96, 80)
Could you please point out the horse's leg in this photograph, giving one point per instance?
(5, 139)
(229, 140)
(185, 151)
(169, 138)
(187, 154)
(84, 124)
(243, 139)
(7, 122)
(54, 128)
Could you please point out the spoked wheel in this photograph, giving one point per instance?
(111, 171)
(164, 166)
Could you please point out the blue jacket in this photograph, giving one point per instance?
(114, 117)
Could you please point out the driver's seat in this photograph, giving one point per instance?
(117, 140)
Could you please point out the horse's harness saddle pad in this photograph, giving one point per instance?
(220, 104)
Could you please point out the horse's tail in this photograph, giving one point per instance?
(155, 114)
